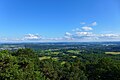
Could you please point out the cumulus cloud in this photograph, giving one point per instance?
(83, 33)
(109, 36)
(84, 36)
(68, 34)
(32, 37)
(86, 28)
(89, 36)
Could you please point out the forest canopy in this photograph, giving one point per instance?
(27, 64)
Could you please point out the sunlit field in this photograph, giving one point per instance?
(114, 53)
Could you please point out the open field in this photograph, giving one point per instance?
(114, 53)
(55, 53)
(48, 57)
(44, 57)
(73, 51)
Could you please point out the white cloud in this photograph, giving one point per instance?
(94, 24)
(68, 34)
(32, 37)
(84, 33)
(86, 28)
(109, 36)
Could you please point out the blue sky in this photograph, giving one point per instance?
(59, 20)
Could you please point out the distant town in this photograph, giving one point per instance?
(11, 47)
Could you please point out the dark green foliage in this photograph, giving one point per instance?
(19, 67)
(24, 64)
(104, 69)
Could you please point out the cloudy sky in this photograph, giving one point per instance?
(59, 20)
